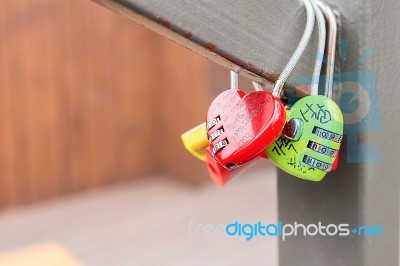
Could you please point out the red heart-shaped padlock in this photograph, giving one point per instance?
(241, 126)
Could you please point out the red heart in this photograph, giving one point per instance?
(241, 126)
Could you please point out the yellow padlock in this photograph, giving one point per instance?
(196, 141)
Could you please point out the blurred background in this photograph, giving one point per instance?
(92, 169)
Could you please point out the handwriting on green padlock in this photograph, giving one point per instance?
(318, 131)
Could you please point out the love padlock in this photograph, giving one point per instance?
(196, 142)
(316, 124)
(309, 144)
(241, 126)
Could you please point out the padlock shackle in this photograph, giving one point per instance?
(320, 50)
(257, 86)
(234, 74)
(331, 46)
(299, 50)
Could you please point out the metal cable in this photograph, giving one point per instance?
(235, 78)
(299, 50)
(331, 46)
(320, 50)
(257, 86)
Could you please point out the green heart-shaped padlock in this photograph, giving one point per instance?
(316, 126)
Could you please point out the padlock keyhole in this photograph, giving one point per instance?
(231, 166)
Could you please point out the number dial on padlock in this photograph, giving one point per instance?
(312, 155)
(241, 126)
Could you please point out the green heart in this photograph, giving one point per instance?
(312, 155)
